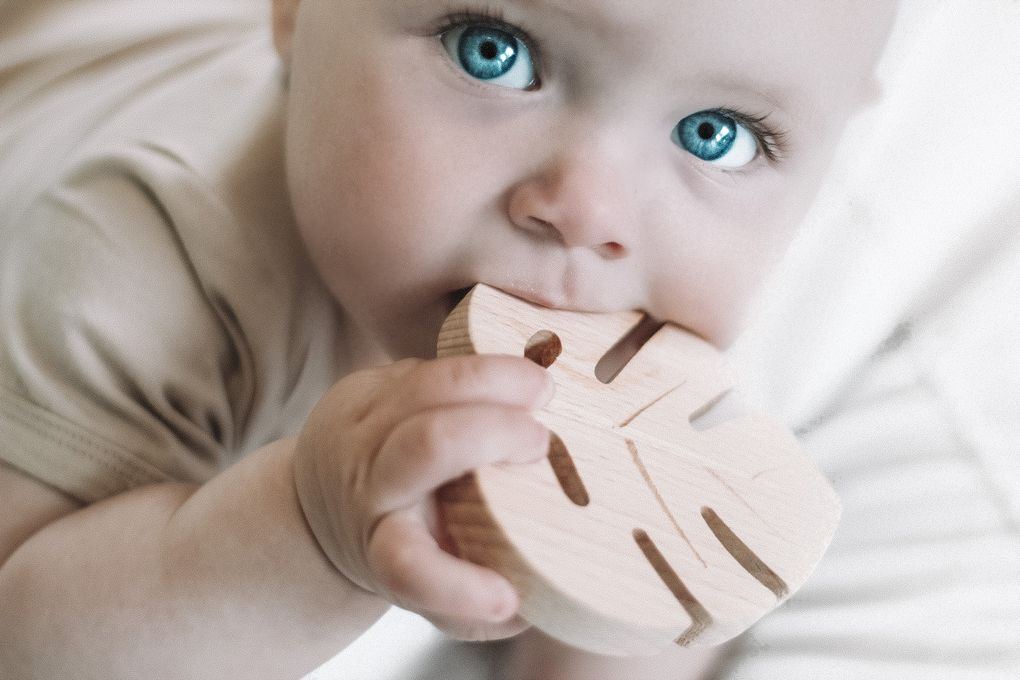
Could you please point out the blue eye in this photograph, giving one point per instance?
(491, 54)
(717, 139)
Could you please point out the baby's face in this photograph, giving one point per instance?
(584, 154)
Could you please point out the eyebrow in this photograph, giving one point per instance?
(567, 10)
(783, 98)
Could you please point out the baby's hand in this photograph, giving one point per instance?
(380, 443)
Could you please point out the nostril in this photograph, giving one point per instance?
(542, 229)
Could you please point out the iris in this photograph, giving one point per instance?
(709, 135)
(486, 52)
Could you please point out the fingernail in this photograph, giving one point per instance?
(506, 604)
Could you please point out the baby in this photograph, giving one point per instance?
(202, 251)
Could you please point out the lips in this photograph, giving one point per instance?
(564, 285)
(530, 295)
(566, 297)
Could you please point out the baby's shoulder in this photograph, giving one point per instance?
(144, 152)
(83, 79)
(152, 284)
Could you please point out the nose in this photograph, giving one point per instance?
(578, 199)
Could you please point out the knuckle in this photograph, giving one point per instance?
(419, 383)
(354, 397)
(485, 377)
(434, 438)
(402, 367)
(402, 375)
(464, 374)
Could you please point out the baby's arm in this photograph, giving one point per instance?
(177, 581)
(227, 579)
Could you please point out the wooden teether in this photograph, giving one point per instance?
(639, 530)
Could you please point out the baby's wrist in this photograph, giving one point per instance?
(311, 507)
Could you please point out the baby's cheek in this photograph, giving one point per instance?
(707, 283)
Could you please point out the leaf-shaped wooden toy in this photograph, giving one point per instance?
(640, 529)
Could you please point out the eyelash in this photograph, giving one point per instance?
(491, 15)
(771, 141)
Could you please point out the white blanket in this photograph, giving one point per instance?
(891, 340)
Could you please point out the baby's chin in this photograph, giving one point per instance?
(415, 334)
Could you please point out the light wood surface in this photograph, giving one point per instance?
(640, 529)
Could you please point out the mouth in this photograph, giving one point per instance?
(528, 294)
(456, 296)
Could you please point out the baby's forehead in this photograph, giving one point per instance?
(780, 47)
(694, 19)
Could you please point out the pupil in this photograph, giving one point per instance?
(488, 50)
(706, 131)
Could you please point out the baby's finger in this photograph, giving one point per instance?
(492, 379)
(476, 631)
(414, 573)
(433, 447)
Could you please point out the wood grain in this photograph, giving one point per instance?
(639, 530)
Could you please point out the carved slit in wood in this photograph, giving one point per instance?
(538, 544)
(700, 618)
(636, 457)
(566, 472)
(620, 354)
(725, 407)
(744, 556)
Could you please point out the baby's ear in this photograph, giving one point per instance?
(284, 17)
